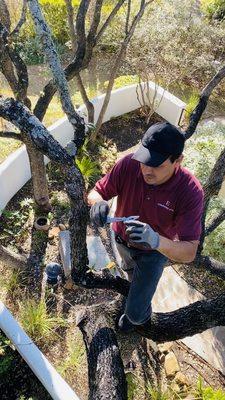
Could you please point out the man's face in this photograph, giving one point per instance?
(160, 174)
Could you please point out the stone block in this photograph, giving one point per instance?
(171, 364)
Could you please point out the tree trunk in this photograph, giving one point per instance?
(38, 173)
(105, 368)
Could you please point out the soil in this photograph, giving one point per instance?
(125, 132)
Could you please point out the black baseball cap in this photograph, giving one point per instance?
(159, 142)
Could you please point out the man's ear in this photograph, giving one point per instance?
(180, 159)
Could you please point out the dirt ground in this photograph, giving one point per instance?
(125, 133)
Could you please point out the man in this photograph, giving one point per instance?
(151, 184)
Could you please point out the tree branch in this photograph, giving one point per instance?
(72, 69)
(215, 222)
(45, 35)
(15, 112)
(109, 19)
(201, 106)
(70, 17)
(186, 321)
(11, 135)
(21, 20)
(87, 102)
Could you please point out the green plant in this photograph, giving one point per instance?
(191, 104)
(123, 80)
(89, 169)
(156, 394)
(208, 393)
(11, 282)
(60, 202)
(76, 355)
(132, 385)
(213, 8)
(37, 321)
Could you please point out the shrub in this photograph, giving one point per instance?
(56, 16)
(201, 153)
(213, 8)
(37, 321)
(123, 80)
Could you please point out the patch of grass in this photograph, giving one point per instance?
(74, 358)
(38, 322)
(208, 393)
(132, 386)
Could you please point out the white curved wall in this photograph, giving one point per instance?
(15, 170)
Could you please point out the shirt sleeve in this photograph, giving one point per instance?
(188, 220)
(110, 185)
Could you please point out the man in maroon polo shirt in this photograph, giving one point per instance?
(168, 199)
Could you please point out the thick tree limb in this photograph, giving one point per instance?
(201, 106)
(186, 321)
(102, 280)
(11, 259)
(216, 222)
(215, 267)
(58, 73)
(105, 368)
(15, 112)
(11, 135)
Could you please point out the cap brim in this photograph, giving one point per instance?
(150, 158)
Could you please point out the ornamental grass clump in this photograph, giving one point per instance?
(38, 323)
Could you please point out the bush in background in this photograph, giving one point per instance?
(201, 153)
(213, 9)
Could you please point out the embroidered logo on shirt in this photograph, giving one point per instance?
(166, 206)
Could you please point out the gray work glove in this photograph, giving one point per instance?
(141, 233)
(99, 212)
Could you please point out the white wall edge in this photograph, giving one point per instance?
(45, 372)
(15, 170)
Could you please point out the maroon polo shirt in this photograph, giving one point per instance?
(173, 209)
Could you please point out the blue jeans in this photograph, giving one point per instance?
(144, 270)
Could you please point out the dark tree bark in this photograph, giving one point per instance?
(105, 368)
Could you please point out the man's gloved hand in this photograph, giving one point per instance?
(99, 212)
(139, 232)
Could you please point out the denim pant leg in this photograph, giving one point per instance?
(147, 270)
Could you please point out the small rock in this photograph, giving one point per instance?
(62, 227)
(165, 347)
(171, 364)
(189, 397)
(181, 379)
(175, 387)
(53, 232)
